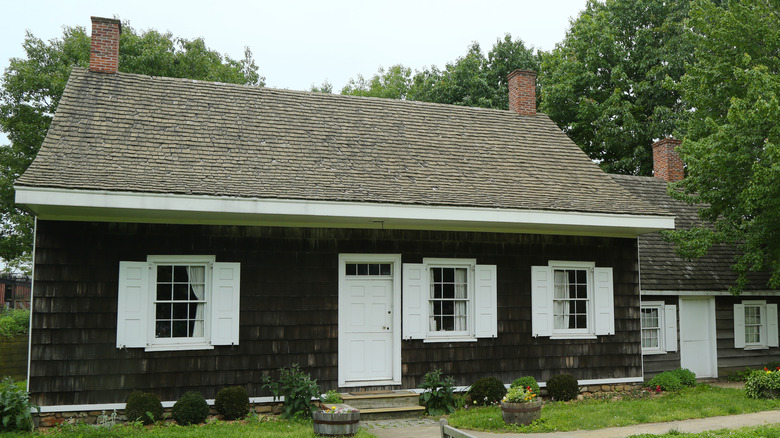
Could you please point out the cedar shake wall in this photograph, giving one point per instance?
(289, 309)
(730, 359)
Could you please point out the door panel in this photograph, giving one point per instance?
(369, 330)
(697, 336)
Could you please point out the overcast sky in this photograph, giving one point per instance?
(298, 43)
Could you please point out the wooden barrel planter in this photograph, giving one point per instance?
(521, 413)
(336, 424)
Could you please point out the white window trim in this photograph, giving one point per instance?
(590, 331)
(139, 299)
(173, 344)
(468, 335)
(769, 327)
(659, 306)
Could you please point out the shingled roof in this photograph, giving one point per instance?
(661, 269)
(136, 133)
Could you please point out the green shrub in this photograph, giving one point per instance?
(763, 384)
(144, 407)
(191, 408)
(525, 382)
(437, 398)
(232, 402)
(331, 397)
(15, 407)
(297, 388)
(666, 381)
(686, 376)
(563, 387)
(14, 322)
(487, 391)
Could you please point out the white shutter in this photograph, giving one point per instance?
(415, 301)
(225, 298)
(541, 301)
(771, 318)
(604, 301)
(485, 306)
(670, 327)
(739, 326)
(132, 314)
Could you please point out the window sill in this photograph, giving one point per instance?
(652, 352)
(756, 347)
(179, 347)
(573, 336)
(452, 339)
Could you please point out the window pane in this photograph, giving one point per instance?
(180, 291)
(163, 311)
(164, 292)
(162, 329)
(180, 329)
(448, 290)
(164, 274)
(180, 311)
(180, 274)
(384, 269)
(362, 269)
(351, 269)
(373, 269)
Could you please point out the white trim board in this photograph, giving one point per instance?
(95, 205)
(256, 400)
(715, 293)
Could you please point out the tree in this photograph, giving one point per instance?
(476, 80)
(326, 88)
(471, 80)
(609, 83)
(393, 83)
(731, 143)
(31, 89)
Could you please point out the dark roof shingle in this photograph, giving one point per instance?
(136, 133)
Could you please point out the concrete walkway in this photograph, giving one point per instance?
(429, 429)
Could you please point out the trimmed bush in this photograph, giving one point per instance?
(144, 407)
(667, 381)
(487, 391)
(525, 382)
(232, 402)
(191, 408)
(686, 376)
(563, 387)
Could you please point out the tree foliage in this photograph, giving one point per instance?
(609, 83)
(732, 140)
(31, 88)
(472, 80)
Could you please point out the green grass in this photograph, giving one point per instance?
(699, 402)
(745, 432)
(266, 428)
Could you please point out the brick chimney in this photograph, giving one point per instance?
(667, 163)
(522, 92)
(104, 51)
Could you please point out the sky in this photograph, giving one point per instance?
(300, 43)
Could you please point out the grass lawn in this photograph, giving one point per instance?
(745, 432)
(699, 402)
(272, 428)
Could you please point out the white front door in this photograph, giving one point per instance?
(697, 336)
(369, 323)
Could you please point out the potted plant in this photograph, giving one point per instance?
(336, 420)
(521, 406)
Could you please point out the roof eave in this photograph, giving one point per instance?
(111, 206)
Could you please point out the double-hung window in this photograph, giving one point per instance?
(572, 299)
(659, 327)
(449, 300)
(755, 325)
(177, 303)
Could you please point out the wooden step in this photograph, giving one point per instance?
(384, 399)
(392, 413)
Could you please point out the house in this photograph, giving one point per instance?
(192, 235)
(689, 318)
(14, 291)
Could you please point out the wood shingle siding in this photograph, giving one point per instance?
(289, 308)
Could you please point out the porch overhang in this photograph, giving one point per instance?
(111, 206)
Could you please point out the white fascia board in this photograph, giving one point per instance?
(709, 293)
(92, 205)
